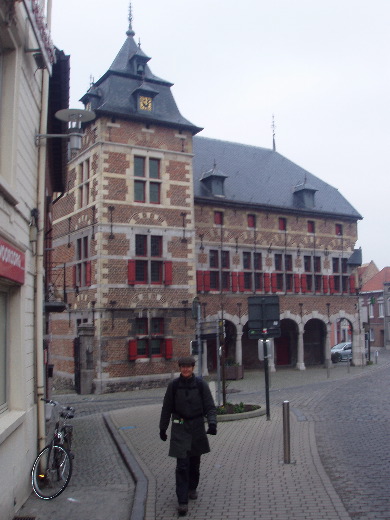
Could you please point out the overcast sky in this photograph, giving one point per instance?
(320, 67)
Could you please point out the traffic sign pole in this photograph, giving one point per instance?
(266, 376)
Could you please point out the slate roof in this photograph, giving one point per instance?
(115, 93)
(263, 177)
(376, 282)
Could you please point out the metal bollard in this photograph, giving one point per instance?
(286, 432)
(376, 356)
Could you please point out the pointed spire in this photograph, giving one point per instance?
(130, 31)
(273, 126)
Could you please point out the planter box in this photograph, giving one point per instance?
(234, 372)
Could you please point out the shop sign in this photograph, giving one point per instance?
(12, 262)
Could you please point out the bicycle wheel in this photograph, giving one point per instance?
(51, 472)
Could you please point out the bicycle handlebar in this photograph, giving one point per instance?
(56, 403)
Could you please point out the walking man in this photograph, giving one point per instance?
(187, 402)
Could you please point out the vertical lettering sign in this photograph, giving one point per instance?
(12, 262)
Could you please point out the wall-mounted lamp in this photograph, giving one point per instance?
(270, 249)
(326, 252)
(111, 209)
(299, 252)
(112, 303)
(236, 245)
(183, 215)
(74, 117)
(201, 235)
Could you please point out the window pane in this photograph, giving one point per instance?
(213, 258)
(154, 168)
(226, 280)
(218, 218)
(3, 356)
(246, 260)
(139, 166)
(278, 262)
(140, 245)
(154, 192)
(156, 246)
(141, 326)
(139, 191)
(225, 261)
(214, 280)
(257, 261)
(307, 263)
(142, 347)
(155, 346)
(251, 221)
(140, 271)
(157, 326)
(247, 281)
(156, 272)
(288, 262)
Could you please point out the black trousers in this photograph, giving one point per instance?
(187, 477)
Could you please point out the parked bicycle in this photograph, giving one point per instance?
(52, 468)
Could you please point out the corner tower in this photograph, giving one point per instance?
(125, 228)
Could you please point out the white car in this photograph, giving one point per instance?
(341, 352)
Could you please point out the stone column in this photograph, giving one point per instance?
(238, 357)
(328, 362)
(300, 362)
(86, 333)
(205, 368)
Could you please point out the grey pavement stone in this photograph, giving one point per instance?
(244, 476)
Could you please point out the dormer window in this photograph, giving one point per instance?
(214, 182)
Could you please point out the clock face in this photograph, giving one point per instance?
(145, 103)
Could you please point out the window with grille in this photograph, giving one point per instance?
(149, 340)
(82, 268)
(148, 267)
(147, 182)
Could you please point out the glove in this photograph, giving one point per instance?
(163, 435)
(212, 429)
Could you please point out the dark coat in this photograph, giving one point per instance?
(187, 409)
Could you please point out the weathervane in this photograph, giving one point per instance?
(130, 31)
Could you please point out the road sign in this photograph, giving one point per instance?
(263, 317)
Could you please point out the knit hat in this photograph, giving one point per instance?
(187, 360)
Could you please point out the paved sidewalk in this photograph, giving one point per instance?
(244, 476)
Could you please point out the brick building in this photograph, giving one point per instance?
(375, 309)
(154, 215)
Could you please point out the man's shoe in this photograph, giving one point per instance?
(192, 494)
(182, 509)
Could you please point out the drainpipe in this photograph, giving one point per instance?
(39, 297)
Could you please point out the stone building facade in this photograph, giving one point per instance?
(154, 216)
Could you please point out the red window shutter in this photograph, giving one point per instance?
(74, 274)
(132, 349)
(234, 282)
(325, 284)
(168, 348)
(267, 282)
(168, 273)
(352, 284)
(131, 272)
(199, 281)
(88, 273)
(297, 285)
(206, 280)
(303, 283)
(241, 283)
(273, 283)
(331, 284)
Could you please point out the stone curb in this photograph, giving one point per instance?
(240, 416)
(140, 479)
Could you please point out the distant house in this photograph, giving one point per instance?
(375, 308)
